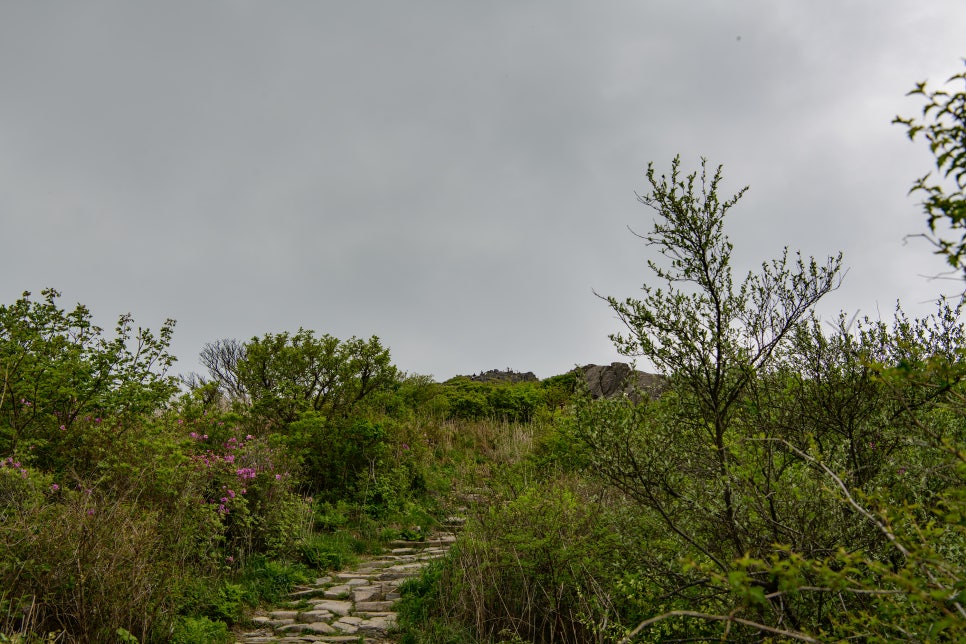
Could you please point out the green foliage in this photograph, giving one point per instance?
(85, 561)
(200, 630)
(711, 339)
(707, 335)
(418, 610)
(57, 369)
(943, 125)
(329, 551)
(338, 455)
(286, 375)
(268, 580)
(792, 482)
(520, 402)
(534, 565)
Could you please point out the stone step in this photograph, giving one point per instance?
(352, 605)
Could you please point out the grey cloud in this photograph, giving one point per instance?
(455, 177)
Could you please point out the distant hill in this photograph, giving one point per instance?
(603, 381)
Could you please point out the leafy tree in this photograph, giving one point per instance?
(708, 336)
(285, 375)
(943, 125)
(709, 490)
(56, 366)
(811, 481)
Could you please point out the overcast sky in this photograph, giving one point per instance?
(454, 177)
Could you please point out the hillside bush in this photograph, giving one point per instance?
(537, 565)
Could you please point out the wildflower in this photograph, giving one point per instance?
(63, 428)
(278, 477)
(54, 487)
(230, 559)
(90, 512)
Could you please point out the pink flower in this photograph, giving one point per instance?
(278, 477)
(54, 487)
(63, 428)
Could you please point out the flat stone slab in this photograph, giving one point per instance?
(319, 627)
(337, 607)
(312, 616)
(345, 627)
(379, 623)
(373, 607)
(336, 592)
(359, 581)
(366, 594)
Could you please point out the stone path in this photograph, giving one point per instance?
(352, 605)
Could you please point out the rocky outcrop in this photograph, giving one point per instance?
(617, 379)
(495, 375)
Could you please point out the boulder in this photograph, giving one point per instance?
(617, 379)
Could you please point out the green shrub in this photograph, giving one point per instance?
(329, 551)
(418, 617)
(83, 561)
(537, 564)
(200, 630)
(266, 580)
